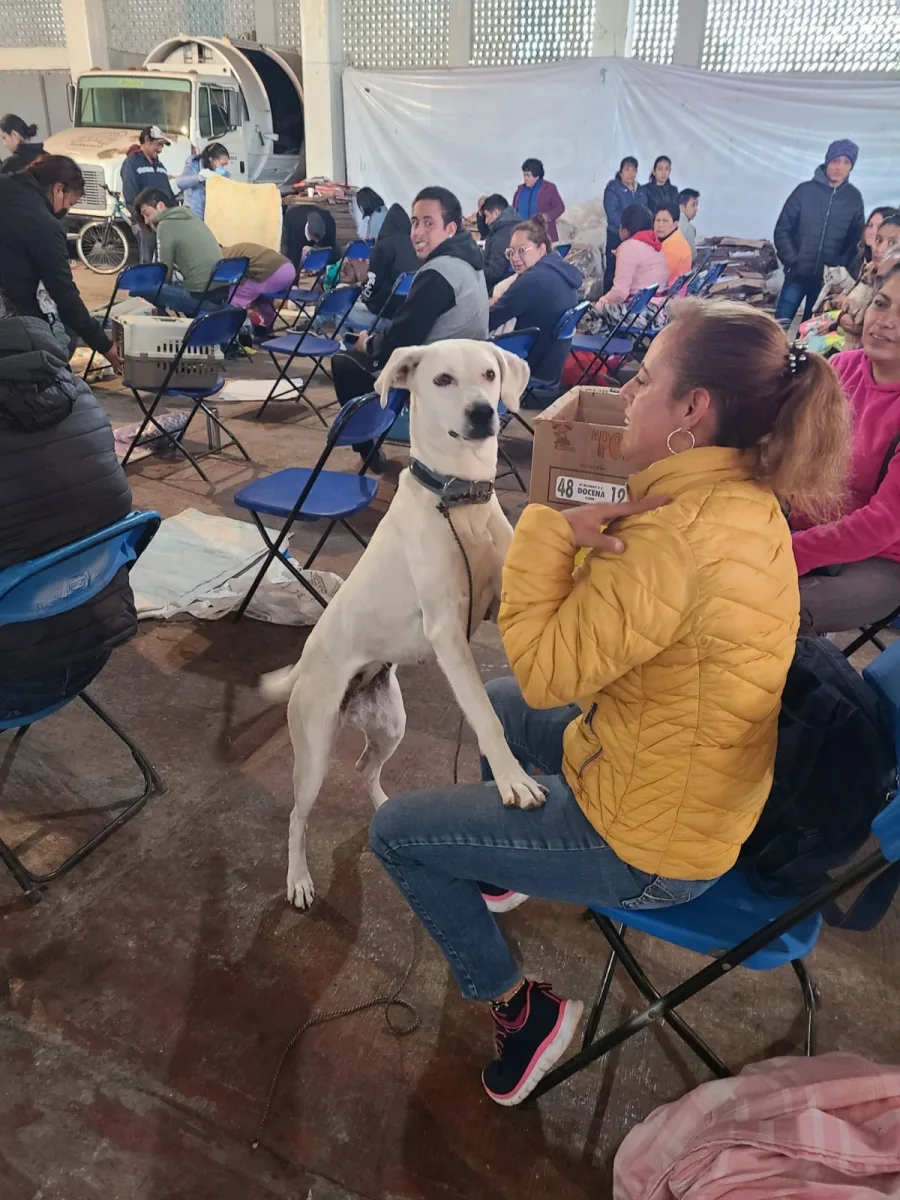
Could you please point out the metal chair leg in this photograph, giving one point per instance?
(29, 881)
(811, 1002)
(513, 469)
(677, 1023)
(593, 1021)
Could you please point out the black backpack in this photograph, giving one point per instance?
(835, 768)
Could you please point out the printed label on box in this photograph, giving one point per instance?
(589, 491)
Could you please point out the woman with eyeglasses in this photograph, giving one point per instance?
(543, 287)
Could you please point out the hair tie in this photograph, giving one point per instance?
(797, 360)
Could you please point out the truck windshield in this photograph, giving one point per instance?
(133, 102)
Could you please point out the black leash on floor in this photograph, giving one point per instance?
(394, 999)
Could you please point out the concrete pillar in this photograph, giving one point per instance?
(460, 50)
(690, 33)
(85, 22)
(611, 28)
(321, 22)
(265, 15)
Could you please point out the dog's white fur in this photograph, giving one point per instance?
(406, 599)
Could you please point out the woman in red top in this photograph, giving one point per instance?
(850, 568)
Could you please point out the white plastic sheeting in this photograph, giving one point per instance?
(744, 141)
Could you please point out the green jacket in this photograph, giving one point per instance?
(185, 244)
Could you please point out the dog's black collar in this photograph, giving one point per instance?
(450, 490)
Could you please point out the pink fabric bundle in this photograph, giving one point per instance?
(825, 1128)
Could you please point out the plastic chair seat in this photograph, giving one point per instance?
(620, 345)
(590, 342)
(333, 496)
(304, 295)
(723, 916)
(191, 393)
(309, 345)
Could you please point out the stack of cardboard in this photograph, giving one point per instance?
(751, 264)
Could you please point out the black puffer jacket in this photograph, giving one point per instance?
(59, 481)
(496, 243)
(820, 226)
(654, 195)
(33, 250)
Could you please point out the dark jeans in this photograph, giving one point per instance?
(793, 293)
(613, 241)
(354, 375)
(436, 845)
(862, 593)
(177, 299)
(26, 697)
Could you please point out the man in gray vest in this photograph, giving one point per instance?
(448, 298)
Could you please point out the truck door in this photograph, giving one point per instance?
(220, 118)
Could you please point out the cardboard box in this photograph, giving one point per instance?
(577, 456)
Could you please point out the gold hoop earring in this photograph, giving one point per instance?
(672, 434)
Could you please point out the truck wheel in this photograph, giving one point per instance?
(103, 246)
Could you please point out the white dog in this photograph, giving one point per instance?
(407, 599)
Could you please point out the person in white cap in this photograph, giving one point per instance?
(143, 169)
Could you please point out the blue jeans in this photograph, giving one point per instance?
(793, 293)
(436, 845)
(178, 299)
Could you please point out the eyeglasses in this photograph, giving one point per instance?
(517, 251)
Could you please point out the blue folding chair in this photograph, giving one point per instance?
(147, 278)
(211, 329)
(315, 264)
(563, 248)
(545, 391)
(55, 583)
(400, 289)
(763, 931)
(602, 346)
(315, 494)
(333, 306)
(357, 251)
(704, 280)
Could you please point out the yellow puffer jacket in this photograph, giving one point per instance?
(676, 650)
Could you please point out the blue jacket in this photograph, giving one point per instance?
(537, 299)
(193, 188)
(138, 172)
(616, 199)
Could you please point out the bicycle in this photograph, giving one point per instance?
(103, 245)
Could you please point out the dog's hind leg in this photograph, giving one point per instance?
(378, 711)
(313, 720)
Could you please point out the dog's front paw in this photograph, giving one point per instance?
(301, 891)
(519, 790)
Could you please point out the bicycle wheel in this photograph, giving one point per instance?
(103, 246)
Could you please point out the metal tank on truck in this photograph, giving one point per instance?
(197, 90)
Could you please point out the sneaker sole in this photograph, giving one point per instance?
(502, 904)
(549, 1054)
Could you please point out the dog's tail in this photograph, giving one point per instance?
(277, 686)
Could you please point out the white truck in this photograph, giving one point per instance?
(197, 90)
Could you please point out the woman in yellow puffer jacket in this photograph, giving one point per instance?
(648, 679)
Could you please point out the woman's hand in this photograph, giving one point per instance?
(588, 522)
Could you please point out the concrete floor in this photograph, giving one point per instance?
(146, 1000)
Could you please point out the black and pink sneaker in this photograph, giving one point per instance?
(533, 1032)
(500, 900)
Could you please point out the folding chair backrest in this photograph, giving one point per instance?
(364, 420)
(563, 249)
(335, 306)
(568, 322)
(519, 342)
(403, 283)
(640, 300)
(217, 328)
(141, 278)
(357, 250)
(316, 261)
(71, 576)
(678, 284)
(229, 270)
(704, 280)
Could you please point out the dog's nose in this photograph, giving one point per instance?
(480, 418)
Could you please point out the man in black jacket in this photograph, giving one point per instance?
(392, 255)
(33, 246)
(60, 480)
(819, 226)
(496, 222)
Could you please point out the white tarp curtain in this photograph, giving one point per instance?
(744, 141)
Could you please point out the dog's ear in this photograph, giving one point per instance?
(398, 370)
(514, 376)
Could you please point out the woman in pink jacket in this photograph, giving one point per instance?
(640, 263)
(850, 568)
